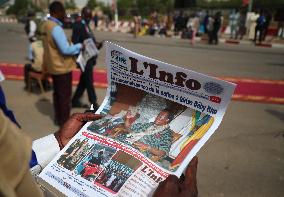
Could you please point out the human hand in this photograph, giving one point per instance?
(180, 187)
(72, 126)
(99, 45)
(83, 47)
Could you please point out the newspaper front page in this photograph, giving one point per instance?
(156, 118)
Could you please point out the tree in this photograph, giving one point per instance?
(19, 7)
(145, 7)
(220, 4)
(70, 4)
(185, 3)
(267, 4)
(92, 4)
(105, 8)
(124, 7)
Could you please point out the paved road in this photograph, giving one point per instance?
(245, 157)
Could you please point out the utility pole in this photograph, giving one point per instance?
(114, 7)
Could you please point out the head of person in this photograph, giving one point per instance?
(163, 118)
(86, 14)
(30, 14)
(57, 10)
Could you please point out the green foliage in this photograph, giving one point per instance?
(238, 3)
(144, 7)
(21, 7)
(92, 4)
(268, 3)
(125, 7)
(106, 9)
(219, 4)
(70, 4)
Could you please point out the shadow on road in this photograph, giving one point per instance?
(45, 107)
(277, 114)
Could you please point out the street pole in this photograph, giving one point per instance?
(116, 19)
(115, 14)
(250, 5)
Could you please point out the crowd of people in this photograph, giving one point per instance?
(115, 175)
(237, 23)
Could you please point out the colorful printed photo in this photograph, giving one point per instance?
(118, 170)
(95, 161)
(152, 125)
(75, 153)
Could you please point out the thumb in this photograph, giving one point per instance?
(190, 182)
(168, 187)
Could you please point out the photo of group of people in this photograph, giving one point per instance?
(75, 153)
(90, 167)
(119, 169)
(160, 129)
(99, 164)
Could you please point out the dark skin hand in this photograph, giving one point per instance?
(186, 186)
(72, 126)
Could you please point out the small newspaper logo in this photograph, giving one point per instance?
(118, 57)
(215, 99)
(213, 88)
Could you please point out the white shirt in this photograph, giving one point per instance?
(32, 29)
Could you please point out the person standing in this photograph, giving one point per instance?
(205, 22)
(81, 32)
(96, 20)
(268, 18)
(252, 17)
(233, 21)
(136, 21)
(194, 27)
(216, 27)
(259, 29)
(30, 29)
(58, 60)
(242, 25)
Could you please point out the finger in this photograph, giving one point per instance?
(190, 182)
(85, 117)
(191, 170)
(168, 187)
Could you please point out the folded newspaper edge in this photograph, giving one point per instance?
(156, 118)
(89, 52)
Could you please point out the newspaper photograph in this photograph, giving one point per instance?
(156, 117)
(89, 52)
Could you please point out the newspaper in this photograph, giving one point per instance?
(156, 118)
(86, 54)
